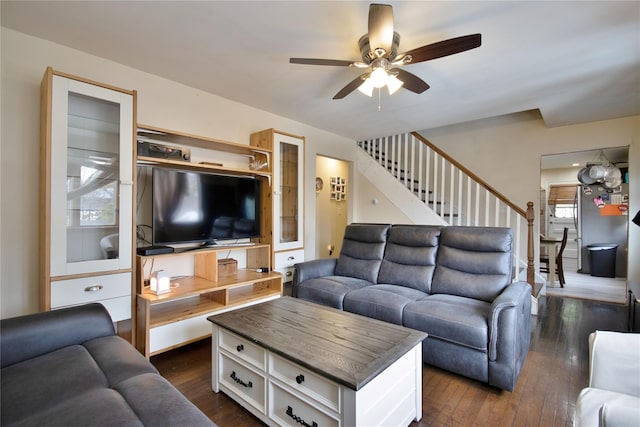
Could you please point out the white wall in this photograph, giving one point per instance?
(161, 103)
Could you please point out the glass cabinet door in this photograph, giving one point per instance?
(91, 178)
(288, 185)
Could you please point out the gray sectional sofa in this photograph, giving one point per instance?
(68, 368)
(455, 283)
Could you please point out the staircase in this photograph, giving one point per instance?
(452, 193)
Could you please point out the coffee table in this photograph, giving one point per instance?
(293, 362)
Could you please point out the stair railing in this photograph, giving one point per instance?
(453, 192)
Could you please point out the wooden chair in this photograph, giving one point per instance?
(544, 259)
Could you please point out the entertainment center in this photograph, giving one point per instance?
(106, 180)
(206, 191)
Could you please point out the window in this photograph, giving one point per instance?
(562, 198)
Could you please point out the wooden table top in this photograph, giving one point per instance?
(344, 347)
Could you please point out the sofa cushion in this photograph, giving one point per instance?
(362, 251)
(329, 290)
(118, 359)
(382, 302)
(158, 403)
(459, 320)
(69, 372)
(410, 256)
(473, 262)
(99, 407)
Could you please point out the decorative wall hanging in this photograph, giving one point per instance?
(338, 189)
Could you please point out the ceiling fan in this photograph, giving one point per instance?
(379, 49)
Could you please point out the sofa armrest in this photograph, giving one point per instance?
(613, 415)
(513, 298)
(29, 336)
(311, 270)
(509, 334)
(614, 362)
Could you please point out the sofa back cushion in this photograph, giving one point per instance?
(410, 256)
(362, 251)
(474, 262)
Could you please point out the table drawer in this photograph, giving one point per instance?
(242, 348)
(304, 381)
(288, 410)
(246, 383)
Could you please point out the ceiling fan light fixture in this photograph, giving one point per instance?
(379, 77)
(393, 84)
(366, 87)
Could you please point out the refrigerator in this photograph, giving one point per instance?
(602, 220)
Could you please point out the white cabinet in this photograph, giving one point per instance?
(87, 133)
(285, 218)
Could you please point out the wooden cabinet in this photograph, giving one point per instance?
(87, 133)
(199, 290)
(284, 217)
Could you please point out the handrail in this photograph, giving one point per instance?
(475, 177)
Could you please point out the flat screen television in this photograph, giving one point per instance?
(202, 207)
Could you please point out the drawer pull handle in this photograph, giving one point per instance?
(239, 381)
(291, 258)
(300, 379)
(300, 420)
(240, 347)
(289, 273)
(94, 288)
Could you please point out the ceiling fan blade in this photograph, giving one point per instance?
(311, 61)
(380, 27)
(350, 87)
(411, 81)
(444, 48)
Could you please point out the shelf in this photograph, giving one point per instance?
(157, 161)
(153, 133)
(209, 249)
(209, 303)
(193, 286)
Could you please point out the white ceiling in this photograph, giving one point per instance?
(575, 61)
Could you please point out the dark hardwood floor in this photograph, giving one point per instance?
(554, 373)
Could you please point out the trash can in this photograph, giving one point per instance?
(602, 259)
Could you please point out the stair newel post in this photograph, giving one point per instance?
(530, 245)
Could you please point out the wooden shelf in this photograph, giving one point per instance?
(157, 161)
(181, 138)
(209, 303)
(194, 286)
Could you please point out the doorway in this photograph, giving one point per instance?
(332, 204)
(564, 205)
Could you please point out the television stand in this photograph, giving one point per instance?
(179, 317)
